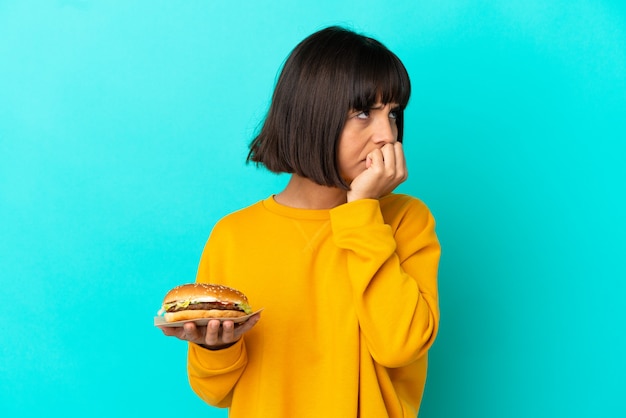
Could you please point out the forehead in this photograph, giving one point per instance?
(380, 85)
(376, 101)
(377, 106)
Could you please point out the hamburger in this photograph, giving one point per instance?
(203, 300)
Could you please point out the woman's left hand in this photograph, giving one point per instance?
(385, 170)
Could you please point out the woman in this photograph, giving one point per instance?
(345, 270)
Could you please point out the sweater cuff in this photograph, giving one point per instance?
(357, 213)
(215, 360)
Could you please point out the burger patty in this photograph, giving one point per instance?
(206, 306)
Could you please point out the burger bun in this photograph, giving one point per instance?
(191, 315)
(192, 291)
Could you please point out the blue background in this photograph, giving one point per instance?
(124, 128)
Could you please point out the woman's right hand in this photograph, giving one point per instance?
(215, 335)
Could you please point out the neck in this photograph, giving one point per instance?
(303, 193)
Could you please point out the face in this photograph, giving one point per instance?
(364, 131)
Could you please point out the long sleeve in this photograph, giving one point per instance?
(213, 374)
(393, 272)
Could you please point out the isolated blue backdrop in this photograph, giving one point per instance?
(123, 133)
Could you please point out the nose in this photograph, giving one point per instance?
(385, 131)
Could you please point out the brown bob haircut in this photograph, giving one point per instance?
(329, 74)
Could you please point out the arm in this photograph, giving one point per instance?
(213, 374)
(216, 360)
(393, 270)
(216, 356)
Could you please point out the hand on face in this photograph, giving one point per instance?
(214, 335)
(385, 170)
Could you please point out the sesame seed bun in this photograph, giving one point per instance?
(204, 300)
(198, 291)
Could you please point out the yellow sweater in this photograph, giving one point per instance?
(350, 310)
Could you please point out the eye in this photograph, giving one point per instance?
(394, 114)
(363, 114)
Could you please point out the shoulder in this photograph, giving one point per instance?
(239, 219)
(400, 203)
(411, 221)
(403, 209)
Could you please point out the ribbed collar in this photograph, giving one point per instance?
(294, 213)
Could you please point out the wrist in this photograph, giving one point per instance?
(353, 196)
(217, 347)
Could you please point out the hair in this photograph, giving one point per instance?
(327, 75)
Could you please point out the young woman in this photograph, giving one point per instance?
(345, 270)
